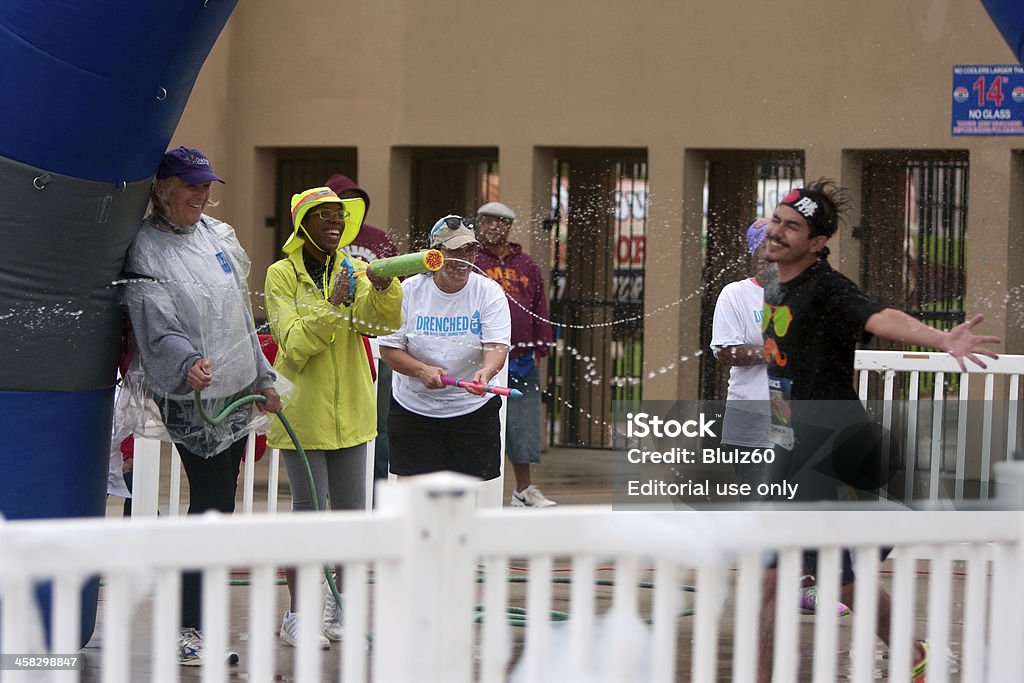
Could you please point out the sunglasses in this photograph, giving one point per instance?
(778, 316)
(328, 214)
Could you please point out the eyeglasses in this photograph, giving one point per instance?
(494, 220)
(327, 214)
(779, 316)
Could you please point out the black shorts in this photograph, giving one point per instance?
(470, 444)
(837, 449)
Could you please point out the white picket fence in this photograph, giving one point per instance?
(155, 461)
(967, 433)
(427, 543)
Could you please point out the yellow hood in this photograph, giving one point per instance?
(304, 201)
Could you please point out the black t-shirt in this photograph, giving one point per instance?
(826, 314)
(812, 325)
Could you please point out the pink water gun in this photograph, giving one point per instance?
(478, 386)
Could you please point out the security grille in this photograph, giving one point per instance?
(598, 222)
(738, 187)
(935, 239)
(913, 234)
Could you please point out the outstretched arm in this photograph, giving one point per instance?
(959, 342)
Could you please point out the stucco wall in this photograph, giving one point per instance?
(673, 78)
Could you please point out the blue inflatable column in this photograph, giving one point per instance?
(92, 94)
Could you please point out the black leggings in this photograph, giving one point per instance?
(212, 484)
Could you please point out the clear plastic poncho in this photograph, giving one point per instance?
(188, 299)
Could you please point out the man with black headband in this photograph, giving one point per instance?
(812, 321)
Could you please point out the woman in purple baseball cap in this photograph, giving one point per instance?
(188, 301)
(182, 187)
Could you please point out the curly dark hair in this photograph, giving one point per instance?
(834, 202)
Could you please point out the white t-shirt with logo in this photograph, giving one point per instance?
(737, 321)
(447, 331)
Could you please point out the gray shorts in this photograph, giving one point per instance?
(522, 420)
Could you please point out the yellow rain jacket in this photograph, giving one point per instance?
(321, 351)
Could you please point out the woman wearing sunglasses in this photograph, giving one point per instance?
(318, 311)
(456, 322)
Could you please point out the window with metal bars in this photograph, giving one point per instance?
(739, 186)
(913, 237)
(598, 224)
(934, 241)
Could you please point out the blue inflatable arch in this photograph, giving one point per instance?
(92, 92)
(1008, 16)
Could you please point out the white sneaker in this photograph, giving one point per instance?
(290, 631)
(190, 648)
(332, 617)
(531, 497)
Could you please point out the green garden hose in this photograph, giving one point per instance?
(260, 398)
